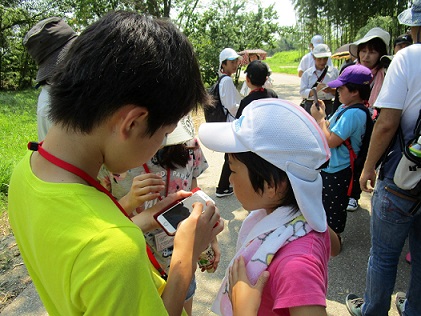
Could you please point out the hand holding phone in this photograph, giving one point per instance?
(169, 218)
(316, 99)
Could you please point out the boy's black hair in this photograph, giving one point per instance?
(376, 44)
(363, 89)
(257, 71)
(261, 171)
(126, 58)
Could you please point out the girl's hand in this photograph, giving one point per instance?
(217, 254)
(245, 298)
(145, 187)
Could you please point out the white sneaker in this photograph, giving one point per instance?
(352, 205)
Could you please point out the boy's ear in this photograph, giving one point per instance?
(132, 119)
(248, 79)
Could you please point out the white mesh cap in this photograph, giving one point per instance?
(182, 133)
(285, 135)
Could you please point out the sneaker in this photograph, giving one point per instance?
(408, 257)
(352, 205)
(400, 302)
(353, 304)
(222, 193)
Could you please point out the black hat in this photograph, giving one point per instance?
(48, 42)
(404, 38)
(257, 71)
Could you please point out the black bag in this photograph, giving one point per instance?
(215, 112)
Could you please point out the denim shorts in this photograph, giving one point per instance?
(192, 289)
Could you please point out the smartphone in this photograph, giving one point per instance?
(169, 218)
(316, 98)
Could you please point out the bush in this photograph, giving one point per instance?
(19, 126)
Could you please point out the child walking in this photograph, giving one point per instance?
(349, 122)
(278, 180)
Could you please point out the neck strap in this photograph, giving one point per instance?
(34, 146)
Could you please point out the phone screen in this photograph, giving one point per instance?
(176, 214)
(170, 218)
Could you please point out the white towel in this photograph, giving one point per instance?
(260, 237)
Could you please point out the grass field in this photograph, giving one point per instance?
(18, 126)
(284, 62)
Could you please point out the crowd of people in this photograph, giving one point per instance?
(118, 146)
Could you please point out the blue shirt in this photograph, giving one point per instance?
(351, 124)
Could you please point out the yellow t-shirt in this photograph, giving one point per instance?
(83, 255)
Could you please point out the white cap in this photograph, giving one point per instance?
(321, 51)
(182, 133)
(316, 40)
(285, 135)
(227, 54)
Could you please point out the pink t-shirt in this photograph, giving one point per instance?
(298, 275)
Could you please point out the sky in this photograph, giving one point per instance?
(285, 11)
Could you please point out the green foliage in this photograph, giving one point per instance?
(19, 126)
(339, 21)
(229, 25)
(284, 62)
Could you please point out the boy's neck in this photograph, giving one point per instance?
(253, 87)
(355, 101)
(80, 150)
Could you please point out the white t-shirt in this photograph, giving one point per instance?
(310, 76)
(43, 122)
(401, 90)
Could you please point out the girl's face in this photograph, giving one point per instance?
(243, 189)
(368, 57)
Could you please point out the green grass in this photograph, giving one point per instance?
(18, 126)
(285, 62)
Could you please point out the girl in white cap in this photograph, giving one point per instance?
(275, 153)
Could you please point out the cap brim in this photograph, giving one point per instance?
(322, 55)
(233, 58)
(220, 137)
(335, 83)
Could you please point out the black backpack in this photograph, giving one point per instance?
(215, 112)
(357, 162)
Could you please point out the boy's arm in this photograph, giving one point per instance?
(193, 236)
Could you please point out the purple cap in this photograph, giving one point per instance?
(357, 74)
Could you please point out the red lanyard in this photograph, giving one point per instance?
(167, 182)
(257, 89)
(91, 181)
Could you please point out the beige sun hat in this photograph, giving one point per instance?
(373, 33)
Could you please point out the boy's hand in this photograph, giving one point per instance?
(145, 219)
(318, 113)
(196, 232)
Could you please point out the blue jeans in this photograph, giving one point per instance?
(391, 224)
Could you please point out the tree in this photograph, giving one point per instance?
(230, 25)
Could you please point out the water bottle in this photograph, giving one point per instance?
(415, 148)
(206, 259)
